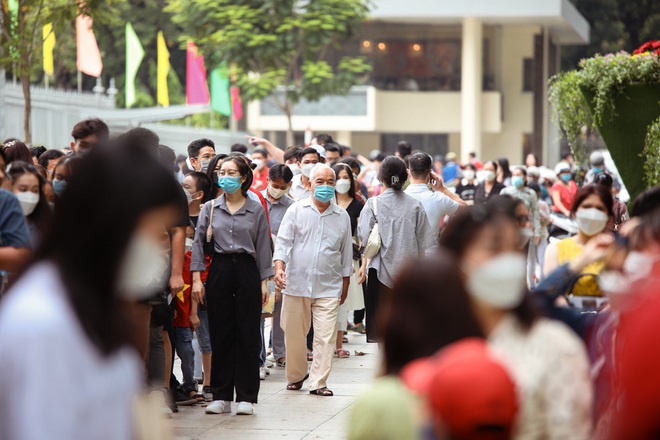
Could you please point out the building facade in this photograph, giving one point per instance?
(447, 75)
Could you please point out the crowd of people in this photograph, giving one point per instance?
(509, 302)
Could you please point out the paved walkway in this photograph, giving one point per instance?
(289, 414)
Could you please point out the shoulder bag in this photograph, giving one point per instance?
(373, 243)
(209, 247)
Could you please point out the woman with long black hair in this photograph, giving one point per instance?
(63, 325)
(236, 285)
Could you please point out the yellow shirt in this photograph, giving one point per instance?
(567, 250)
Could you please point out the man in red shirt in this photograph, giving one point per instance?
(260, 173)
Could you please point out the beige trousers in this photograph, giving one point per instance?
(297, 313)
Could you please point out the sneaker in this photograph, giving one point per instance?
(262, 373)
(207, 393)
(269, 364)
(218, 407)
(158, 397)
(244, 409)
(270, 357)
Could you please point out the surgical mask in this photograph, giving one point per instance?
(259, 163)
(468, 174)
(612, 282)
(58, 187)
(324, 193)
(343, 186)
(517, 181)
(525, 235)
(490, 176)
(597, 170)
(639, 265)
(229, 184)
(355, 177)
(28, 201)
(307, 169)
(277, 193)
(143, 270)
(591, 221)
(188, 195)
(500, 282)
(295, 169)
(566, 177)
(205, 165)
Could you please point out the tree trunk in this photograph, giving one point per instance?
(290, 135)
(27, 110)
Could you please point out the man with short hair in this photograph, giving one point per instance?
(260, 173)
(300, 187)
(87, 134)
(240, 148)
(403, 149)
(313, 264)
(438, 203)
(200, 153)
(333, 153)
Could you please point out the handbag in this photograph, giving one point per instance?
(209, 246)
(373, 242)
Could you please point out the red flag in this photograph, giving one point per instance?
(236, 103)
(89, 56)
(197, 90)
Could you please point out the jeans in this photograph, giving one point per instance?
(183, 346)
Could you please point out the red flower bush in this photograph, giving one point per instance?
(652, 46)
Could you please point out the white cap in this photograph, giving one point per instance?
(318, 148)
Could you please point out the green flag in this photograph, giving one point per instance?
(134, 55)
(220, 98)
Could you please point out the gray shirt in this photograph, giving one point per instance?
(246, 231)
(276, 210)
(404, 228)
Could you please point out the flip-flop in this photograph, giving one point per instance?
(295, 386)
(322, 392)
(342, 354)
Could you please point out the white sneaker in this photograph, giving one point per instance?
(262, 373)
(244, 409)
(269, 363)
(218, 407)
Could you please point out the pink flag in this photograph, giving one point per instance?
(197, 90)
(89, 56)
(236, 104)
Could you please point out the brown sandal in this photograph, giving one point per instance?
(322, 392)
(342, 354)
(295, 386)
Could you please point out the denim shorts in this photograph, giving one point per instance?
(203, 338)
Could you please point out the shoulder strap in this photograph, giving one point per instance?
(375, 208)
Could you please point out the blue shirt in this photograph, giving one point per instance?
(450, 172)
(13, 227)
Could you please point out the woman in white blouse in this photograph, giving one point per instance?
(548, 361)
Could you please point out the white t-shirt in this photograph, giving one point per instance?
(55, 383)
(436, 204)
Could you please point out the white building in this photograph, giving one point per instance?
(448, 75)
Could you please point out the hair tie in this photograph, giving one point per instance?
(394, 180)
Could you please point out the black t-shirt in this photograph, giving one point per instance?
(182, 208)
(354, 209)
(193, 220)
(466, 192)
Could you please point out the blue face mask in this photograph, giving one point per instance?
(58, 187)
(517, 181)
(229, 184)
(324, 193)
(598, 170)
(566, 177)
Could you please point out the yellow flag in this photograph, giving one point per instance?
(49, 45)
(163, 70)
(180, 294)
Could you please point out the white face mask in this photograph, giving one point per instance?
(28, 201)
(490, 176)
(204, 165)
(188, 195)
(143, 271)
(468, 174)
(259, 163)
(500, 282)
(343, 186)
(525, 235)
(307, 169)
(591, 221)
(277, 193)
(295, 169)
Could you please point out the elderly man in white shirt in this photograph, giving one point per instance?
(313, 265)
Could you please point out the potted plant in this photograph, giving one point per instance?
(619, 94)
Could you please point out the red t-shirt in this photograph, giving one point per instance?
(260, 179)
(566, 194)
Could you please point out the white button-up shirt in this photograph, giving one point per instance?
(316, 248)
(298, 190)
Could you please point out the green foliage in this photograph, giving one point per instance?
(202, 120)
(276, 43)
(651, 155)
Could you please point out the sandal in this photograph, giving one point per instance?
(322, 392)
(197, 396)
(295, 386)
(344, 340)
(281, 362)
(360, 329)
(310, 356)
(342, 354)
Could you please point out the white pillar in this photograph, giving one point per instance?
(471, 85)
